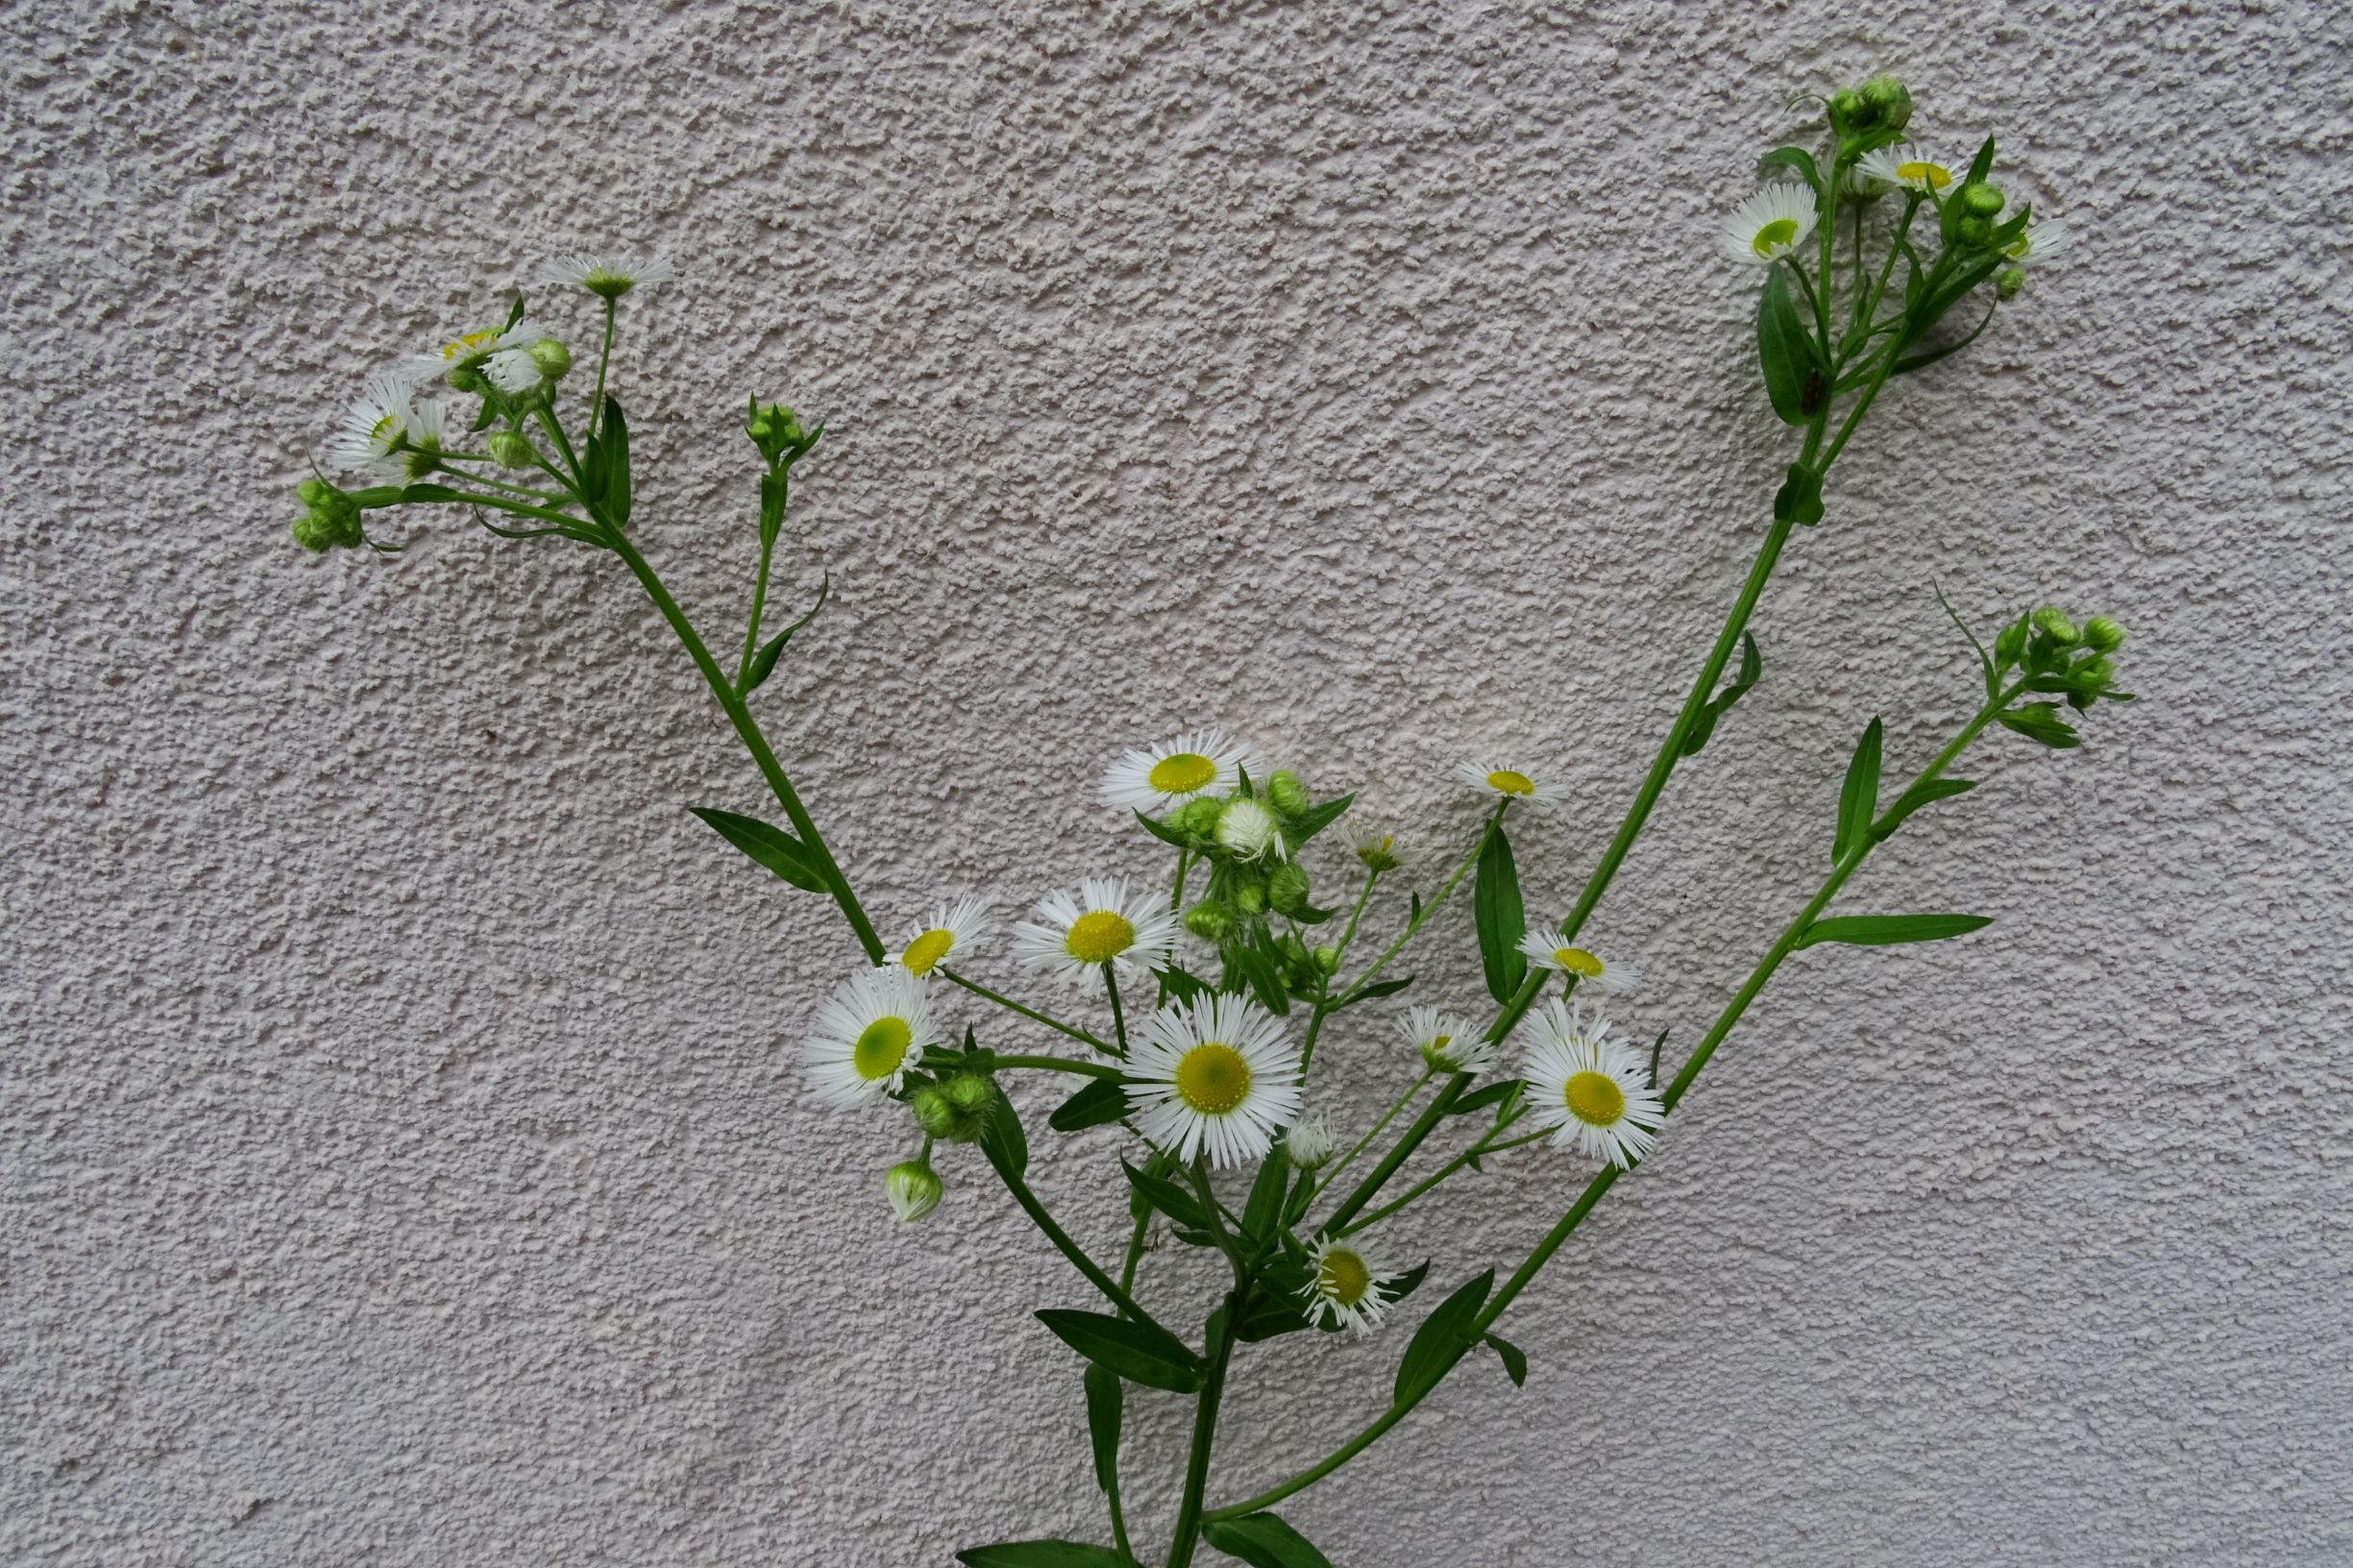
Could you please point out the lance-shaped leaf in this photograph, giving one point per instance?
(1316, 819)
(1919, 795)
(1264, 1204)
(1443, 1338)
(1889, 930)
(1041, 1554)
(1793, 372)
(1263, 1541)
(1704, 723)
(1500, 917)
(764, 662)
(772, 847)
(1102, 1102)
(1858, 799)
(604, 468)
(1167, 1198)
(1515, 1360)
(1137, 1351)
(1797, 159)
(2041, 722)
(1104, 1402)
(1001, 1138)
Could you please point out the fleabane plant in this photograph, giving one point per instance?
(1191, 1003)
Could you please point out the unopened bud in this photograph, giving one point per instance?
(1327, 958)
(772, 429)
(1287, 889)
(1974, 231)
(932, 1111)
(1250, 897)
(2053, 623)
(1847, 108)
(2008, 282)
(912, 1188)
(2010, 643)
(1211, 921)
(1286, 794)
(554, 359)
(2103, 633)
(1886, 94)
(1247, 829)
(968, 1091)
(1309, 1143)
(1981, 199)
(512, 448)
(329, 518)
(2100, 670)
(1198, 817)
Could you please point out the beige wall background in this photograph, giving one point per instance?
(400, 1157)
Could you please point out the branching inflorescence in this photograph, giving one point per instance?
(1216, 987)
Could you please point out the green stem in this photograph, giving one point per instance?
(1429, 909)
(604, 357)
(1059, 1063)
(1118, 1017)
(759, 607)
(1029, 1013)
(1476, 1151)
(1030, 1206)
(1205, 1431)
(1386, 1116)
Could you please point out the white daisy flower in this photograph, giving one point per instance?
(512, 371)
(1596, 1091)
(1104, 924)
(2046, 239)
(868, 1034)
(1548, 949)
(470, 351)
(1311, 1143)
(1200, 762)
(1347, 1286)
(374, 429)
(1380, 852)
(951, 929)
(1248, 831)
(1769, 225)
(606, 274)
(1446, 1042)
(1214, 1076)
(1511, 783)
(1903, 166)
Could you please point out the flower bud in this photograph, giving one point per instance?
(1309, 1143)
(1286, 794)
(932, 1111)
(512, 448)
(2103, 633)
(1886, 94)
(1848, 110)
(1974, 231)
(913, 1188)
(2055, 626)
(1377, 851)
(1327, 957)
(1981, 199)
(2008, 282)
(1198, 817)
(2010, 643)
(467, 378)
(1287, 889)
(1247, 829)
(1250, 897)
(968, 1091)
(2099, 670)
(330, 520)
(772, 429)
(1211, 920)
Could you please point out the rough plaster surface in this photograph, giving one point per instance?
(399, 1155)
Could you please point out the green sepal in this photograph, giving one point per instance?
(1858, 798)
(1515, 1360)
(1890, 930)
(1442, 1340)
(1792, 364)
(1041, 1554)
(1263, 1541)
(1799, 501)
(1099, 1104)
(1104, 1402)
(1138, 1352)
(1502, 918)
(771, 847)
(764, 662)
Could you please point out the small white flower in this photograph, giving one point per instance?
(1380, 852)
(1547, 949)
(374, 429)
(1596, 1091)
(1248, 831)
(1511, 783)
(470, 351)
(1446, 1042)
(1104, 924)
(1769, 225)
(868, 1034)
(1199, 763)
(1903, 166)
(951, 929)
(1311, 1143)
(1213, 1075)
(512, 371)
(2046, 239)
(1347, 1286)
(606, 274)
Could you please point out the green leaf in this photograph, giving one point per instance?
(1137, 1351)
(1167, 1198)
(1443, 1338)
(1001, 1138)
(1406, 1284)
(1264, 1204)
(1263, 976)
(1271, 1312)
(1102, 1102)
(2041, 722)
(1858, 799)
(1889, 930)
(1182, 984)
(1502, 919)
(775, 489)
(1751, 665)
(1104, 1400)
(1799, 501)
(604, 468)
(1982, 165)
(1916, 361)
(1041, 1554)
(1797, 159)
(764, 662)
(1479, 1099)
(514, 314)
(1919, 795)
(1378, 989)
(772, 847)
(1792, 367)
(1515, 1360)
(1163, 832)
(1316, 819)
(1263, 1541)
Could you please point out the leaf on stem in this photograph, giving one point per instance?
(1515, 1360)
(1264, 1204)
(604, 468)
(1479, 1099)
(1001, 1138)
(1797, 159)
(1799, 501)
(1316, 819)
(1263, 1541)
(1858, 799)
(763, 663)
(1500, 917)
(1704, 725)
(2041, 722)
(1793, 369)
(771, 847)
(1104, 1402)
(1041, 1554)
(1138, 1352)
(1919, 795)
(1378, 988)
(1099, 1104)
(1170, 1199)
(1889, 930)
(1441, 1339)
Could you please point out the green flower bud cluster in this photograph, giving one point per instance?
(329, 518)
(955, 1108)
(1882, 104)
(2058, 656)
(778, 433)
(1247, 839)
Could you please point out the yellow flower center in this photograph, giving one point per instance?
(1931, 176)
(1578, 962)
(1594, 1098)
(881, 1048)
(1504, 781)
(1343, 1277)
(1213, 1078)
(470, 345)
(1098, 937)
(927, 949)
(1182, 773)
(1777, 236)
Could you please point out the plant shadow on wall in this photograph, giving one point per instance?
(1190, 1014)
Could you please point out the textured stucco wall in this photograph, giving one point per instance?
(398, 1159)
